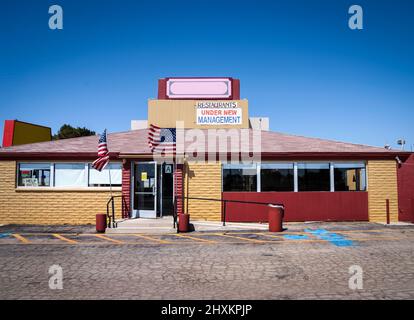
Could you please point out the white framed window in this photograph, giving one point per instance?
(240, 177)
(349, 176)
(276, 177)
(70, 175)
(295, 176)
(34, 175)
(101, 179)
(313, 176)
(67, 175)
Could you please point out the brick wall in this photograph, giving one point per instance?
(48, 206)
(382, 185)
(203, 180)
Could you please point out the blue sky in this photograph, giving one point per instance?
(298, 62)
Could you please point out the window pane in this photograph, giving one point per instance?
(70, 175)
(101, 179)
(349, 179)
(313, 177)
(244, 178)
(277, 166)
(34, 175)
(277, 177)
(313, 166)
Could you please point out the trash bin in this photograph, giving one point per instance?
(275, 218)
(100, 222)
(183, 222)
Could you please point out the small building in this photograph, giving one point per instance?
(18, 132)
(221, 154)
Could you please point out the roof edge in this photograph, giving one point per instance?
(53, 155)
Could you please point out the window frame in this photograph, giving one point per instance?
(351, 165)
(241, 166)
(85, 174)
(89, 167)
(52, 186)
(51, 174)
(362, 164)
(277, 165)
(323, 165)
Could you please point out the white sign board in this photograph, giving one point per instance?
(219, 113)
(30, 182)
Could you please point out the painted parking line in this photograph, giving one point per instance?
(194, 238)
(21, 238)
(241, 238)
(60, 237)
(108, 239)
(151, 238)
(317, 236)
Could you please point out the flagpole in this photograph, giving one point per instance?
(110, 180)
(109, 165)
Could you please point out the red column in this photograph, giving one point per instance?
(126, 188)
(179, 187)
(8, 133)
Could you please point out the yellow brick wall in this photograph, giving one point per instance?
(48, 207)
(382, 185)
(203, 180)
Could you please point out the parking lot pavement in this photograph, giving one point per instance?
(311, 261)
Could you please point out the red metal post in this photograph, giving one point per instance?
(412, 210)
(387, 202)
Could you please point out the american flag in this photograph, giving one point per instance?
(161, 139)
(103, 153)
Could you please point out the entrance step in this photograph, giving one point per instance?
(165, 225)
(142, 225)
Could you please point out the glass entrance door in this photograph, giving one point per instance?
(145, 190)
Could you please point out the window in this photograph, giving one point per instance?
(313, 177)
(101, 179)
(34, 175)
(349, 177)
(277, 177)
(239, 177)
(77, 175)
(70, 175)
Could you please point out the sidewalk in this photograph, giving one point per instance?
(165, 226)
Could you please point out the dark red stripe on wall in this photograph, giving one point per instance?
(162, 89)
(126, 188)
(236, 89)
(299, 206)
(178, 180)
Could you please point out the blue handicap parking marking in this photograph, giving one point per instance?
(334, 238)
(4, 235)
(295, 237)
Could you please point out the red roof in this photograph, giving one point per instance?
(135, 143)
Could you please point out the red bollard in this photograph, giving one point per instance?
(183, 222)
(275, 218)
(387, 208)
(100, 222)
